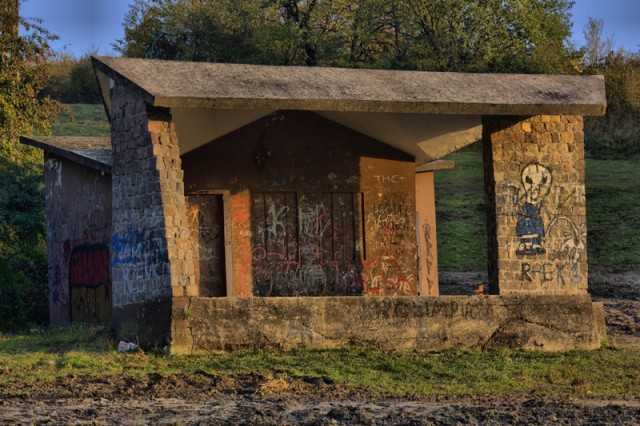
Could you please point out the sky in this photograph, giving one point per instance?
(94, 25)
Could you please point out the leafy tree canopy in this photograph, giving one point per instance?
(73, 80)
(443, 35)
(23, 111)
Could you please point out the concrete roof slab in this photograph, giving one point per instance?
(240, 86)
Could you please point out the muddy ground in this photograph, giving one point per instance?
(201, 398)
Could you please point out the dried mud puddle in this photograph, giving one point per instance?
(201, 398)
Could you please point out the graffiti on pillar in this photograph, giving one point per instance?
(536, 180)
(429, 258)
(140, 254)
(90, 285)
(549, 230)
(389, 219)
(390, 227)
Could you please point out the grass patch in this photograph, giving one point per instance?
(613, 213)
(87, 120)
(574, 373)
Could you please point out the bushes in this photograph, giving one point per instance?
(23, 302)
(613, 139)
(23, 262)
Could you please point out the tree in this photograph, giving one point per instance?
(72, 80)
(23, 74)
(597, 47)
(617, 133)
(445, 35)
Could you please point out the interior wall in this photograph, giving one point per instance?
(316, 208)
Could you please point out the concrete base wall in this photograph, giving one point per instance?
(203, 325)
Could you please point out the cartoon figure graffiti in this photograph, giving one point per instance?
(536, 180)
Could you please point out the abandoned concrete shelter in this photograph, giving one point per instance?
(239, 206)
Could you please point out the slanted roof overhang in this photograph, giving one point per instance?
(425, 114)
(92, 152)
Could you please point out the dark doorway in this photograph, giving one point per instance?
(206, 219)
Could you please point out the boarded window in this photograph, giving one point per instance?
(307, 244)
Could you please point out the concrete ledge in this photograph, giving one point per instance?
(202, 325)
(432, 166)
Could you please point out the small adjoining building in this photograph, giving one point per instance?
(240, 206)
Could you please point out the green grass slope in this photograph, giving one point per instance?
(454, 372)
(84, 120)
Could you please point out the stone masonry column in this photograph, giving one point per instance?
(151, 257)
(536, 218)
(166, 154)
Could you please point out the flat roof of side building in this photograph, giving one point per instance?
(93, 152)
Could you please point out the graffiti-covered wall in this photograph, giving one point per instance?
(534, 172)
(315, 208)
(150, 241)
(78, 204)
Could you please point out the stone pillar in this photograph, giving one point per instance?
(151, 257)
(166, 155)
(536, 219)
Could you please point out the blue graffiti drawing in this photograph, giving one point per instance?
(536, 180)
(136, 246)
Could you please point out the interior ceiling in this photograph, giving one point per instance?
(426, 137)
